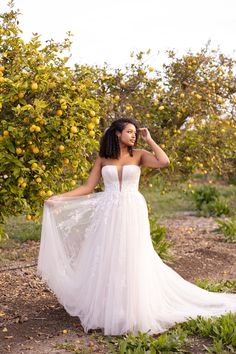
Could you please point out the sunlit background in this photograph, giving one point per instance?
(108, 30)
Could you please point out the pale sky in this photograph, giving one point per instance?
(108, 30)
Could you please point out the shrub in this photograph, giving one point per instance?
(209, 202)
(224, 285)
(171, 342)
(227, 228)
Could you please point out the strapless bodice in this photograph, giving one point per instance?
(121, 178)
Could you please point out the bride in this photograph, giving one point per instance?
(96, 252)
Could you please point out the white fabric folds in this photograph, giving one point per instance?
(96, 255)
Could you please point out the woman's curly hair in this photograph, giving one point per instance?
(109, 143)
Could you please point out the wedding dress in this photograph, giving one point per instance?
(97, 256)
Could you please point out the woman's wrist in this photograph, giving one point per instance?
(150, 141)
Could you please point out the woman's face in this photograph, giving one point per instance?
(128, 135)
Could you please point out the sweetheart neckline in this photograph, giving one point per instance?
(121, 165)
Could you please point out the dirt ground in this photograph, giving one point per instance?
(32, 320)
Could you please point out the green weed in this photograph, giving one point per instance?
(228, 228)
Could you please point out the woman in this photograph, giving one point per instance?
(96, 252)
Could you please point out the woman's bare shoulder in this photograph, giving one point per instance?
(138, 152)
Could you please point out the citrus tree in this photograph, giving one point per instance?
(48, 121)
(188, 105)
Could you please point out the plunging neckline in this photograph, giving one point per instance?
(117, 171)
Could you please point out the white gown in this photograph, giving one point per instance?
(96, 254)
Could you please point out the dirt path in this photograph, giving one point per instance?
(32, 321)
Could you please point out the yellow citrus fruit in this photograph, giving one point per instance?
(161, 108)
(28, 217)
(35, 149)
(187, 158)
(6, 133)
(20, 180)
(23, 185)
(151, 69)
(74, 130)
(37, 129)
(91, 125)
(95, 120)
(19, 151)
(66, 161)
(49, 193)
(34, 165)
(72, 183)
(129, 108)
(21, 95)
(92, 113)
(61, 148)
(34, 86)
(59, 112)
(117, 97)
(92, 133)
(32, 128)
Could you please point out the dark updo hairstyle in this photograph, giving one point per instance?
(109, 144)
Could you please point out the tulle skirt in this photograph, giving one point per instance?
(97, 256)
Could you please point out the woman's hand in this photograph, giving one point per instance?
(145, 134)
(51, 201)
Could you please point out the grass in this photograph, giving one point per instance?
(172, 203)
(228, 286)
(168, 205)
(22, 230)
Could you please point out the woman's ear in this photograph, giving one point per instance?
(118, 134)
